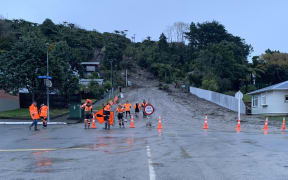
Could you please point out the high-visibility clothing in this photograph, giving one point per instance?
(43, 111)
(127, 106)
(120, 110)
(34, 112)
(107, 108)
(144, 104)
(88, 108)
(111, 118)
(137, 105)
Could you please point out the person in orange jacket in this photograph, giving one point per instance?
(144, 104)
(120, 110)
(127, 107)
(88, 113)
(137, 108)
(43, 114)
(107, 109)
(34, 115)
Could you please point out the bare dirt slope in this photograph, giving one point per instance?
(177, 103)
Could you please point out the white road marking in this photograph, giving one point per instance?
(43, 149)
(24, 150)
(28, 123)
(151, 169)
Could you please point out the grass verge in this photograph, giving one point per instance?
(23, 113)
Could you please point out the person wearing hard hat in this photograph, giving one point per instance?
(88, 113)
(127, 107)
(34, 115)
(43, 114)
(107, 109)
(120, 110)
(137, 108)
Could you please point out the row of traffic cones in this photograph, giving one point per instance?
(238, 126)
(283, 124)
(93, 126)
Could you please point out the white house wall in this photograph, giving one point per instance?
(275, 101)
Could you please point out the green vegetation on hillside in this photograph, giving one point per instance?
(203, 55)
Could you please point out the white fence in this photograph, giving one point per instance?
(223, 100)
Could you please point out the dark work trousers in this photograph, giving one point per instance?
(128, 112)
(44, 120)
(34, 123)
(106, 119)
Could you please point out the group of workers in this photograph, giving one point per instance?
(38, 115)
(122, 110)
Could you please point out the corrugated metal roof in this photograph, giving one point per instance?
(279, 86)
(90, 63)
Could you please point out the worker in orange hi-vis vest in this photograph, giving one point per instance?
(43, 114)
(34, 115)
(137, 108)
(144, 104)
(106, 112)
(88, 113)
(120, 110)
(127, 107)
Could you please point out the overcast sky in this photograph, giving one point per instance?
(262, 23)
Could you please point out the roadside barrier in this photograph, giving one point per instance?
(159, 123)
(132, 122)
(266, 124)
(93, 124)
(283, 124)
(238, 127)
(205, 122)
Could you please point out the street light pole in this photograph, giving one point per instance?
(47, 88)
(112, 93)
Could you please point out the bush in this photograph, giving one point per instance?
(210, 85)
(107, 85)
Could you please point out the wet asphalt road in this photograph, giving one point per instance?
(182, 150)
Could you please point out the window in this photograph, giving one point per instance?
(255, 101)
(286, 98)
(263, 99)
(90, 68)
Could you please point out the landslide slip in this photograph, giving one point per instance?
(174, 102)
(176, 105)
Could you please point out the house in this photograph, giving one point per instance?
(89, 68)
(272, 100)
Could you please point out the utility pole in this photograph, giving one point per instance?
(47, 88)
(126, 77)
(112, 93)
(134, 37)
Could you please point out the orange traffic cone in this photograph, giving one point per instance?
(132, 122)
(206, 122)
(159, 123)
(93, 123)
(238, 128)
(283, 124)
(266, 124)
